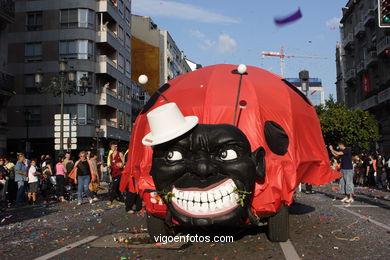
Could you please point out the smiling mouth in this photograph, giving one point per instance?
(215, 200)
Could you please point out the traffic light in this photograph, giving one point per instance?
(384, 13)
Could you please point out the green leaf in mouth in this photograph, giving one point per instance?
(241, 196)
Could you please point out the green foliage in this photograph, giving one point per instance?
(357, 128)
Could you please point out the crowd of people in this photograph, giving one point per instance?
(41, 180)
(369, 170)
(364, 169)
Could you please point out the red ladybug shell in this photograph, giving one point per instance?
(210, 94)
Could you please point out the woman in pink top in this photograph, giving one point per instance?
(60, 178)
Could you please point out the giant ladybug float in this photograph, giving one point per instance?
(223, 146)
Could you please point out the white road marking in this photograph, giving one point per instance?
(357, 206)
(365, 217)
(66, 248)
(289, 251)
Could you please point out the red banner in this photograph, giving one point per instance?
(366, 84)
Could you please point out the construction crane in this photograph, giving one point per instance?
(282, 57)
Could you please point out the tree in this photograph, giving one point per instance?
(357, 128)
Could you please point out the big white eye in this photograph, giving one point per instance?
(174, 156)
(228, 155)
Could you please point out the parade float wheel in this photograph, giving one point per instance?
(278, 226)
(156, 227)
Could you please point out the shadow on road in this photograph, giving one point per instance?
(16, 215)
(300, 209)
(359, 199)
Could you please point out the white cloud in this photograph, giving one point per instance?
(226, 44)
(179, 10)
(205, 43)
(197, 34)
(333, 22)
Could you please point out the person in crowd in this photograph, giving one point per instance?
(3, 185)
(33, 182)
(387, 166)
(346, 182)
(83, 177)
(20, 177)
(60, 178)
(68, 163)
(370, 171)
(95, 171)
(380, 172)
(12, 186)
(47, 172)
(116, 166)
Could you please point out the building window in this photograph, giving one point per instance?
(128, 122)
(127, 67)
(34, 21)
(120, 35)
(120, 90)
(33, 51)
(120, 7)
(83, 112)
(127, 16)
(76, 49)
(76, 18)
(79, 75)
(127, 42)
(120, 120)
(35, 115)
(128, 93)
(121, 63)
(29, 84)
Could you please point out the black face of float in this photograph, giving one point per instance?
(207, 176)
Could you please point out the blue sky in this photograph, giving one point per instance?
(227, 31)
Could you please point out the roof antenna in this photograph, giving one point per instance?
(143, 80)
(241, 70)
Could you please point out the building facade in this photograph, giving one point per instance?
(7, 16)
(155, 53)
(94, 37)
(315, 92)
(365, 64)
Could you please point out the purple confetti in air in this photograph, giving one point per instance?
(280, 21)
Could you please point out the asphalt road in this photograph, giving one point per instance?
(320, 228)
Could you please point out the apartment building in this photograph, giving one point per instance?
(94, 37)
(315, 92)
(155, 53)
(7, 16)
(365, 64)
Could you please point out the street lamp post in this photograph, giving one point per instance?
(64, 83)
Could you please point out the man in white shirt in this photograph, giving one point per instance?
(33, 182)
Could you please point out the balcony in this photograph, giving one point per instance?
(383, 45)
(7, 11)
(359, 29)
(361, 66)
(369, 17)
(6, 84)
(384, 96)
(108, 6)
(348, 40)
(110, 98)
(110, 130)
(107, 66)
(350, 75)
(372, 58)
(108, 38)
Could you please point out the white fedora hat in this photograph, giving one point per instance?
(166, 123)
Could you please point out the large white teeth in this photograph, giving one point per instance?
(216, 200)
(197, 197)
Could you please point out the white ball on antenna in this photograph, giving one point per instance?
(143, 79)
(241, 68)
